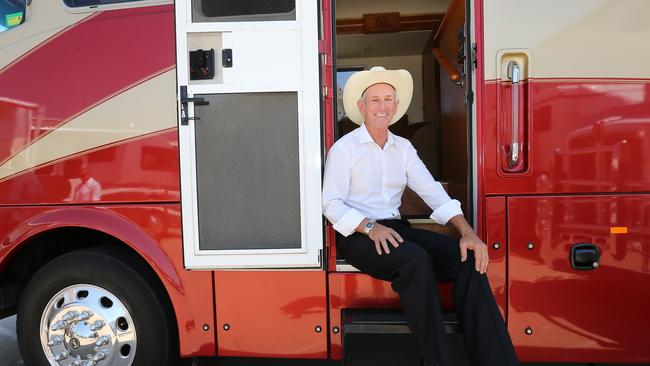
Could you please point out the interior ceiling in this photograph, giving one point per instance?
(384, 44)
(356, 8)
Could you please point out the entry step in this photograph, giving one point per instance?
(343, 266)
(385, 321)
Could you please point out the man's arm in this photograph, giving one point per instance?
(336, 186)
(469, 240)
(444, 208)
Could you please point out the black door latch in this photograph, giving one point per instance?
(184, 100)
(584, 256)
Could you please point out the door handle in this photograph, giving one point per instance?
(512, 98)
(584, 256)
(514, 147)
(184, 99)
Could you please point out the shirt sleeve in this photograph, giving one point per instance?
(421, 182)
(336, 185)
(96, 192)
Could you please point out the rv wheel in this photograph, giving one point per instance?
(93, 308)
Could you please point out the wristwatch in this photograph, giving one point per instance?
(368, 226)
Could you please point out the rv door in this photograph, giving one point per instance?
(249, 133)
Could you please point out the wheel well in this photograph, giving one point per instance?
(48, 245)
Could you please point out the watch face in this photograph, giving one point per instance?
(368, 226)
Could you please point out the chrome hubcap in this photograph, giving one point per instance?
(86, 325)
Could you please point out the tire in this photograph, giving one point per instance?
(95, 305)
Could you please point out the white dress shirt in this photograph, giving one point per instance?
(363, 180)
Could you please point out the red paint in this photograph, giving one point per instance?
(271, 314)
(579, 316)
(89, 62)
(154, 231)
(328, 78)
(143, 169)
(584, 136)
(496, 239)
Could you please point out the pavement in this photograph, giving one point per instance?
(10, 356)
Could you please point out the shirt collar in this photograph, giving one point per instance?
(364, 136)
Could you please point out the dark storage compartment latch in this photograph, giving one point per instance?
(184, 100)
(584, 256)
(202, 64)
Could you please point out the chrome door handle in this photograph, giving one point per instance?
(514, 147)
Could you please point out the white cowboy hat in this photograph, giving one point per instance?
(401, 80)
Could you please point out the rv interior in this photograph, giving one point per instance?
(426, 38)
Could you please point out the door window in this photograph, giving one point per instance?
(243, 10)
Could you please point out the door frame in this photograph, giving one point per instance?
(306, 85)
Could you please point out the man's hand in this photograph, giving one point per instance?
(383, 235)
(472, 242)
(469, 240)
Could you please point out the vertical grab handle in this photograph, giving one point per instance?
(512, 96)
(516, 79)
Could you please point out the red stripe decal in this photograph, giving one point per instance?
(89, 62)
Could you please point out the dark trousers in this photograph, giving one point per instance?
(413, 269)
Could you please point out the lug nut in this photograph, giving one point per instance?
(99, 356)
(55, 340)
(70, 315)
(99, 324)
(57, 326)
(61, 356)
(103, 340)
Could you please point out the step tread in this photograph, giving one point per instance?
(386, 321)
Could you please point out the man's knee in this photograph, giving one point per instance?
(416, 254)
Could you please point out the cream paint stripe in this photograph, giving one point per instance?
(97, 148)
(571, 39)
(45, 21)
(147, 108)
(118, 92)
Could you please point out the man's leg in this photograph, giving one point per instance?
(486, 337)
(409, 269)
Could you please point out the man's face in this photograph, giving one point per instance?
(379, 106)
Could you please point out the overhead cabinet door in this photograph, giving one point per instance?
(249, 130)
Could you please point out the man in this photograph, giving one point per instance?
(365, 175)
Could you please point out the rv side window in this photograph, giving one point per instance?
(243, 10)
(12, 13)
